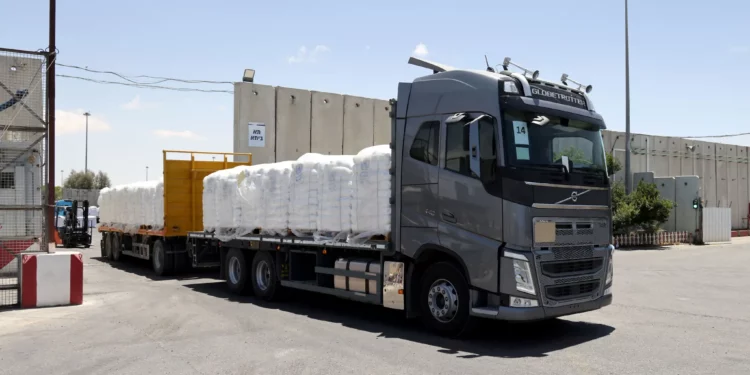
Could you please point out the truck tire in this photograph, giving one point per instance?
(444, 300)
(108, 245)
(115, 247)
(160, 260)
(103, 247)
(237, 272)
(264, 278)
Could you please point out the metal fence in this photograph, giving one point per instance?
(652, 239)
(23, 131)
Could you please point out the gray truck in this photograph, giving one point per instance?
(500, 210)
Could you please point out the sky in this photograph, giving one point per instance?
(689, 62)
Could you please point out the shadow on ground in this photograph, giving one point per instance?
(141, 267)
(490, 339)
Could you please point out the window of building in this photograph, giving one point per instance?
(7, 180)
(425, 145)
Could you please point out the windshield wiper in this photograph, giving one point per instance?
(589, 169)
(559, 167)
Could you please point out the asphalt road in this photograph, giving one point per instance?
(683, 311)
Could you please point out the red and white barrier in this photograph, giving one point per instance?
(53, 279)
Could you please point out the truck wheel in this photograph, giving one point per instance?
(115, 247)
(264, 276)
(108, 245)
(160, 260)
(237, 272)
(103, 246)
(444, 300)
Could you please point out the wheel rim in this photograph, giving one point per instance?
(442, 300)
(234, 270)
(158, 256)
(263, 275)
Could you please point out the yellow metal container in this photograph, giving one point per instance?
(183, 186)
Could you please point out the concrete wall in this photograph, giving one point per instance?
(299, 121)
(723, 168)
(81, 195)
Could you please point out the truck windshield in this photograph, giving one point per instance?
(540, 141)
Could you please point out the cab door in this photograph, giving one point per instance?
(470, 221)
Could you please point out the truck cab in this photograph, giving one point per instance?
(502, 176)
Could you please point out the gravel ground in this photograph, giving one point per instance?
(682, 310)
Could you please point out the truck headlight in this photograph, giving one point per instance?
(522, 271)
(524, 281)
(610, 271)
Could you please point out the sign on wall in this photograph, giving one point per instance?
(256, 134)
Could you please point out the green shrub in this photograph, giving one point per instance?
(643, 209)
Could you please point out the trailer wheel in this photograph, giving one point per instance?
(103, 247)
(115, 247)
(264, 278)
(160, 260)
(108, 243)
(444, 300)
(237, 272)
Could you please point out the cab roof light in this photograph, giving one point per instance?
(581, 87)
(533, 74)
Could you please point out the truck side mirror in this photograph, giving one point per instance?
(474, 151)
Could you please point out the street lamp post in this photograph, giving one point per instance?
(147, 173)
(628, 186)
(86, 163)
(62, 177)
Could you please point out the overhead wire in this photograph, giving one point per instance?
(132, 79)
(144, 85)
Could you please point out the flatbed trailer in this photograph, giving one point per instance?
(165, 247)
(303, 263)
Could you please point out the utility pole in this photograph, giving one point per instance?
(51, 55)
(86, 163)
(628, 176)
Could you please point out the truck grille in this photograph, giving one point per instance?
(571, 268)
(572, 252)
(572, 291)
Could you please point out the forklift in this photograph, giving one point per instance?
(71, 234)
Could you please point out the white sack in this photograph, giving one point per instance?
(371, 208)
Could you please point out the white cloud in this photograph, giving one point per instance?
(308, 56)
(136, 104)
(185, 134)
(420, 50)
(70, 122)
(739, 49)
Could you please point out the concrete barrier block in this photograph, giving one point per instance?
(292, 123)
(358, 124)
(382, 122)
(51, 279)
(327, 124)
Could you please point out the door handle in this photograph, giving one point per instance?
(448, 216)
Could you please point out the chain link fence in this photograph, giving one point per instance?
(23, 131)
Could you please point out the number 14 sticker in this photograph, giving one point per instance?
(520, 133)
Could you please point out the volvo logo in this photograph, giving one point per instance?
(573, 196)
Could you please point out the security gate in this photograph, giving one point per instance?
(23, 131)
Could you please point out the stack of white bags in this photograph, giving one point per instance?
(133, 205)
(316, 194)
